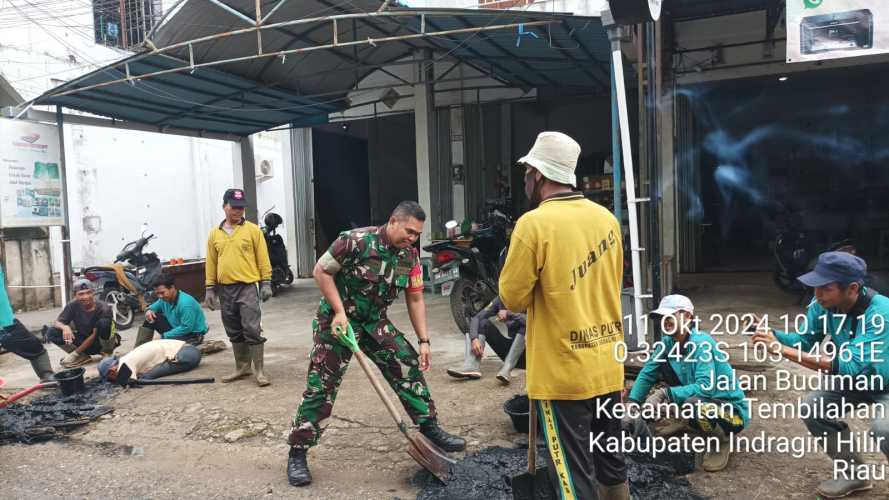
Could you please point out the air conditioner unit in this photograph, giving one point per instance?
(264, 170)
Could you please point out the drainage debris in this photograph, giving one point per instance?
(43, 417)
(486, 475)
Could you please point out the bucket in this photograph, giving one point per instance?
(518, 408)
(70, 381)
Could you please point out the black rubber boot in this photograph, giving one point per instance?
(42, 367)
(445, 441)
(298, 468)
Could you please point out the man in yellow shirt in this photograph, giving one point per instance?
(238, 261)
(564, 267)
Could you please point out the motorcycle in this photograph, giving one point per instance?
(140, 271)
(793, 251)
(479, 264)
(281, 272)
(795, 255)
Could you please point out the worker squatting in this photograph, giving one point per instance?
(795, 446)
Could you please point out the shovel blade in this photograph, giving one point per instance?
(430, 456)
(530, 486)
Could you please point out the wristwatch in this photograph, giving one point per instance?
(424, 341)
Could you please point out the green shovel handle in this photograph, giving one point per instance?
(347, 338)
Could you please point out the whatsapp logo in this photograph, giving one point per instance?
(811, 4)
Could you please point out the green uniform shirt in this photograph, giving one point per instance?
(185, 316)
(372, 275)
(861, 337)
(6, 316)
(700, 367)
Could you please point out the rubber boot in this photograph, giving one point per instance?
(470, 369)
(42, 367)
(842, 486)
(512, 358)
(257, 353)
(616, 492)
(715, 461)
(298, 468)
(242, 362)
(143, 336)
(445, 441)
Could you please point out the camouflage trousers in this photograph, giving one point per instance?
(329, 359)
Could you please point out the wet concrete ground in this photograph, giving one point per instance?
(486, 475)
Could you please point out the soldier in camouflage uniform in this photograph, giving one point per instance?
(359, 277)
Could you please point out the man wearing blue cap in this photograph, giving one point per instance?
(151, 360)
(855, 319)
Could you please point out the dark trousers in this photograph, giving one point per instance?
(566, 427)
(188, 358)
(500, 344)
(241, 313)
(16, 339)
(394, 356)
(162, 325)
(819, 425)
(104, 330)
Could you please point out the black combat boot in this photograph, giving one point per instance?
(445, 441)
(297, 468)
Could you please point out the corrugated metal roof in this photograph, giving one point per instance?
(306, 84)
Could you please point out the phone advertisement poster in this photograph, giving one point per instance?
(30, 175)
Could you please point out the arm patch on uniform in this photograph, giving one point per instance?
(329, 264)
(415, 280)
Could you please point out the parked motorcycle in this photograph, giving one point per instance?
(479, 264)
(795, 255)
(281, 272)
(793, 251)
(141, 270)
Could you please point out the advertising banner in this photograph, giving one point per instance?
(834, 29)
(30, 175)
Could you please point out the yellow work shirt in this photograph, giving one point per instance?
(240, 257)
(565, 266)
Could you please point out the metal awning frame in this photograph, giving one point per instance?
(332, 21)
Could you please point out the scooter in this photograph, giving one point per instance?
(281, 272)
(141, 270)
(479, 264)
(795, 255)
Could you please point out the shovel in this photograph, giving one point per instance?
(420, 448)
(533, 484)
(174, 381)
(124, 378)
(6, 401)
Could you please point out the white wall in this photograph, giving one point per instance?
(118, 180)
(271, 193)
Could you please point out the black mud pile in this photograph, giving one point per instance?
(486, 476)
(47, 416)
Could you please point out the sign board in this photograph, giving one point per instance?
(832, 29)
(30, 175)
